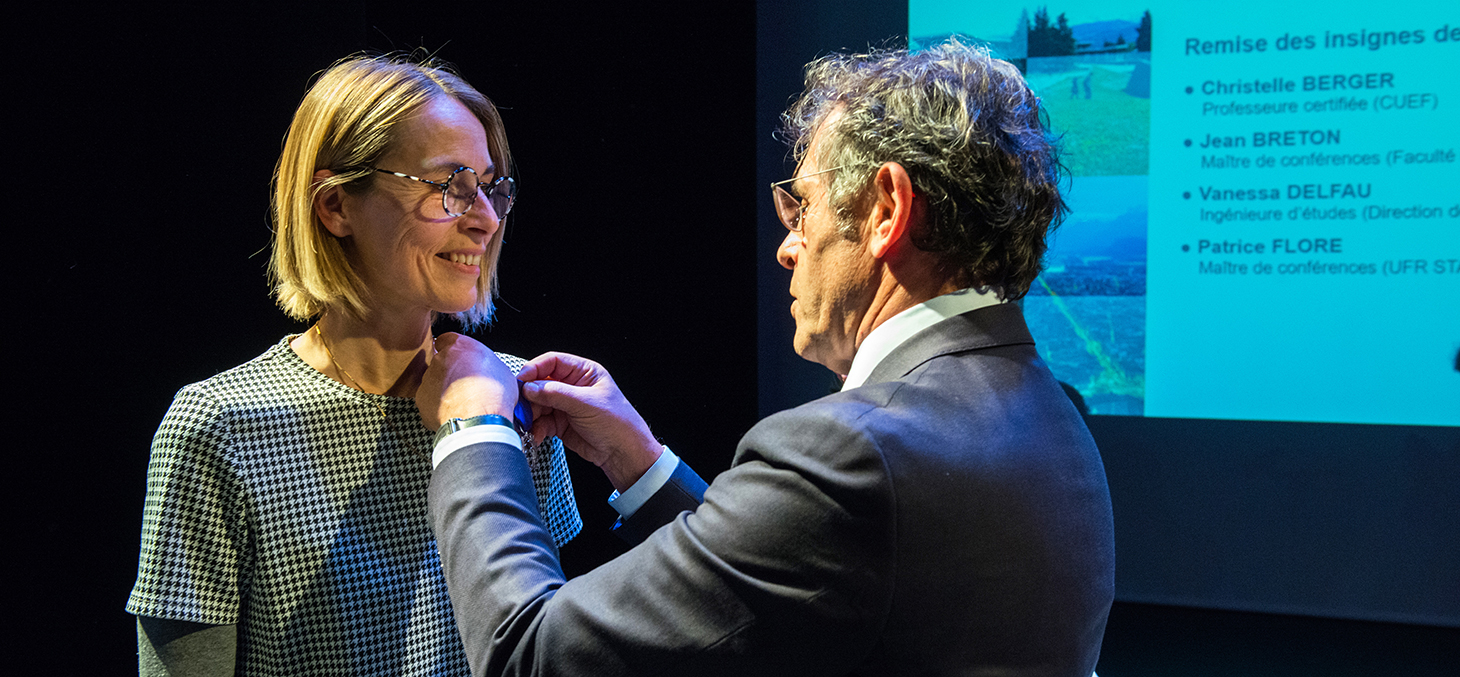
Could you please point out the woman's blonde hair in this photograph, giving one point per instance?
(346, 122)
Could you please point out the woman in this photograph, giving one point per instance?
(285, 526)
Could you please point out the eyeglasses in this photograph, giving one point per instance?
(790, 207)
(457, 197)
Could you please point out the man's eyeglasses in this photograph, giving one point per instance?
(459, 193)
(790, 207)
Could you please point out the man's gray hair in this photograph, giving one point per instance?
(969, 133)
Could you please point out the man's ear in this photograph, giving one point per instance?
(329, 205)
(891, 216)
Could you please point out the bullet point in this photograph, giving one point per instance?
(1186, 195)
(1188, 142)
(1186, 247)
(1189, 90)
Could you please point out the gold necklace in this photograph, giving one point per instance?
(403, 440)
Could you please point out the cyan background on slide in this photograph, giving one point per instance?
(1142, 318)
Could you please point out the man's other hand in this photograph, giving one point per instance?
(576, 400)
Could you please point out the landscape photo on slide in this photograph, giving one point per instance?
(1087, 311)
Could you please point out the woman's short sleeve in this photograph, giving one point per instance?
(195, 537)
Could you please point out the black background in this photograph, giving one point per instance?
(141, 166)
(137, 176)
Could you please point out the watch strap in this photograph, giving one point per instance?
(455, 424)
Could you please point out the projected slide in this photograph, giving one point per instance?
(1265, 203)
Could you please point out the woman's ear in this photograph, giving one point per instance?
(329, 205)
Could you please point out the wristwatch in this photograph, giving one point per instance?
(456, 424)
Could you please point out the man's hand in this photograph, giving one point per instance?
(465, 379)
(576, 400)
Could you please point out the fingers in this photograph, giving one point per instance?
(580, 404)
(549, 393)
(549, 423)
(562, 397)
(454, 348)
(528, 372)
(445, 341)
(562, 367)
(452, 344)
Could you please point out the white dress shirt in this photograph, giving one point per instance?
(896, 330)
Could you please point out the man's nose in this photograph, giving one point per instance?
(788, 251)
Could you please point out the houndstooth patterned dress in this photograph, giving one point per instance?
(279, 500)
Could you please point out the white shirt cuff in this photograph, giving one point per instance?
(476, 434)
(658, 474)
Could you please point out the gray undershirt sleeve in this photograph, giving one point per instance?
(167, 648)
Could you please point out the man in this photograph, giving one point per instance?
(945, 513)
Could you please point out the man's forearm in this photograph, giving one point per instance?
(499, 560)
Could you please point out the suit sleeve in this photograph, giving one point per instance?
(683, 491)
(784, 569)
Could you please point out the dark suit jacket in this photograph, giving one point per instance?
(950, 516)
